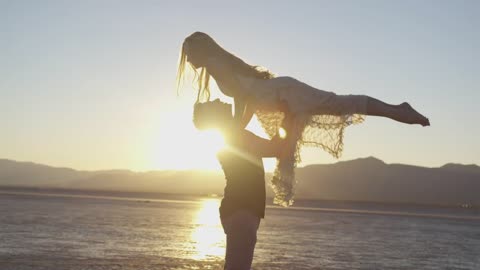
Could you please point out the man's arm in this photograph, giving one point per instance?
(263, 147)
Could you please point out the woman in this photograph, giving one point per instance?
(310, 116)
(243, 204)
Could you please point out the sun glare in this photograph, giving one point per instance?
(176, 144)
(208, 237)
(211, 141)
(179, 146)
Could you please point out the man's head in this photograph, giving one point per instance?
(212, 114)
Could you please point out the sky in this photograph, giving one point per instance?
(91, 84)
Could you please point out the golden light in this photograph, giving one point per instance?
(208, 236)
(178, 145)
(211, 141)
(282, 133)
(175, 144)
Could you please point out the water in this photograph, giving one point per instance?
(53, 231)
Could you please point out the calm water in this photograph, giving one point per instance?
(82, 232)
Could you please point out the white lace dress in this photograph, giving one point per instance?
(318, 119)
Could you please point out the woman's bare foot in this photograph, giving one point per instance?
(411, 116)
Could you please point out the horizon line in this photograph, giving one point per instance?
(219, 170)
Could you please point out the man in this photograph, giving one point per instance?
(243, 204)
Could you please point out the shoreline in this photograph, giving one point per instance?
(327, 206)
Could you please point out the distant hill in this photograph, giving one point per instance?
(370, 179)
(27, 174)
(366, 179)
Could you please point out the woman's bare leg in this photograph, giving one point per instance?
(402, 113)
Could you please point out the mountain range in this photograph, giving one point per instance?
(366, 179)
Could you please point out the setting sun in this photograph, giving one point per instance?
(182, 147)
(210, 141)
(178, 145)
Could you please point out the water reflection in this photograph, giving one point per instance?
(208, 236)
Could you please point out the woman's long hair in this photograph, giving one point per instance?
(203, 44)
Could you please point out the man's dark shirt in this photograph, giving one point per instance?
(245, 175)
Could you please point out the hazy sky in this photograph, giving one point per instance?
(91, 84)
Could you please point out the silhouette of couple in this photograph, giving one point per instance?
(309, 116)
